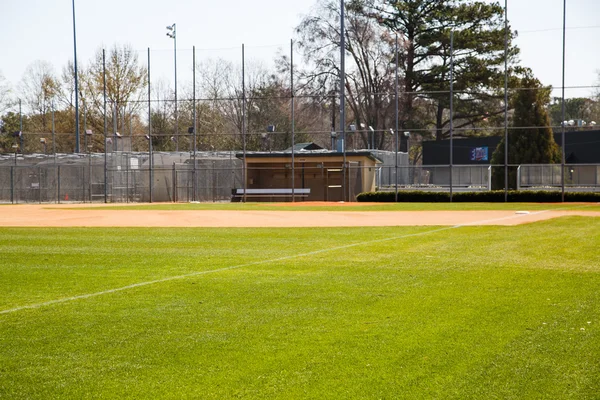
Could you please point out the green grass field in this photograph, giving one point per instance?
(353, 313)
(357, 206)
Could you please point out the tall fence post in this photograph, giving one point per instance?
(12, 185)
(58, 183)
(174, 185)
(83, 183)
(40, 184)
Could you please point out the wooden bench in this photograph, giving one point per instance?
(238, 194)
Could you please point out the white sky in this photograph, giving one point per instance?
(42, 30)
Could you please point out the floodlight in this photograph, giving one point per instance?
(371, 129)
(118, 135)
(17, 134)
(15, 146)
(391, 131)
(43, 140)
(571, 122)
(263, 135)
(333, 134)
(147, 137)
(170, 27)
(173, 139)
(407, 134)
(362, 126)
(593, 123)
(353, 127)
(88, 132)
(271, 128)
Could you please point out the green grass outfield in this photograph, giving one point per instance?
(353, 313)
(356, 206)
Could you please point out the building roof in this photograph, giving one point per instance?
(305, 147)
(309, 153)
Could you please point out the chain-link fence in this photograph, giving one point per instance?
(119, 178)
(435, 177)
(122, 177)
(579, 177)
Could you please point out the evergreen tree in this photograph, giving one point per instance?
(425, 28)
(530, 139)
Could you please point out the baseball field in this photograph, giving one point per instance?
(322, 301)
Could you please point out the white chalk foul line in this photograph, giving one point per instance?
(198, 273)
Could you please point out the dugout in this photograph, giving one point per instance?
(319, 172)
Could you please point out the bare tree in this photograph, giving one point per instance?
(5, 94)
(126, 82)
(369, 72)
(39, 87)
(221, 87)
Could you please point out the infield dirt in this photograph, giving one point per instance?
(84, 215)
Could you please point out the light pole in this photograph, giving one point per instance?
(88, 148)
(21, 126)
(16, 149)
(343, 95)
(76, 84)
(562, 150)
(270, 129)
(173, 35)
(18, 137)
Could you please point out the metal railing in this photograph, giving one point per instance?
(435, 178)
(578, 177)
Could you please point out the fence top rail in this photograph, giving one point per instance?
(559, 165)
(483, 166)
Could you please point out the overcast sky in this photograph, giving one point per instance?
(42, 30)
